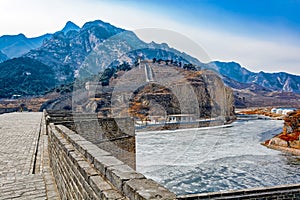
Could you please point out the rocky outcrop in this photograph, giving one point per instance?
(174, 90)
(290, 136)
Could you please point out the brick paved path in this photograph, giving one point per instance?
(23, 173)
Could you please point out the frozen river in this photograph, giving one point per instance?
(219, 159)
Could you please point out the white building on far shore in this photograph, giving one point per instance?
(283, 111)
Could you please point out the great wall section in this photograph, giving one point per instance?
(65, 156)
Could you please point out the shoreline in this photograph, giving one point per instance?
(186, 129)
(283, 149)
(182, 125)
(260, 111)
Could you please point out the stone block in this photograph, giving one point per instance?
(81, 146)
(98, 184)
(75, 138)
(142, 189)
(91, 153)
(75, 157)
(118, 174)
(64, 130)
(86, 170)
(101, 163)
(111, 195)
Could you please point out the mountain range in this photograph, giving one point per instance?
(101, 43)
(14, 46)
(281, 81)
(69, 53)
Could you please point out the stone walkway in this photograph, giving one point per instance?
(24, 169)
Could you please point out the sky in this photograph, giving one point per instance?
(261, 35)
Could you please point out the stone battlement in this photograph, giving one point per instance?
(84, 171)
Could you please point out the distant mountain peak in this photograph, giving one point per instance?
(70, 26)
(96, 22)
(104, 25)
(229, 64)
(21, 35)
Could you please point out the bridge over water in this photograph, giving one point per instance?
(41, 158)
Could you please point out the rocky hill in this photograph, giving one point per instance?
(212, 97)
(28, 78)
(173, 90)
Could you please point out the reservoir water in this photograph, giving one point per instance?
(209, 160)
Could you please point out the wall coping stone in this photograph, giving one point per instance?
(146, 189)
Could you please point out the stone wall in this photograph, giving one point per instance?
(84, 171)
(291, 192)
(115, 135)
